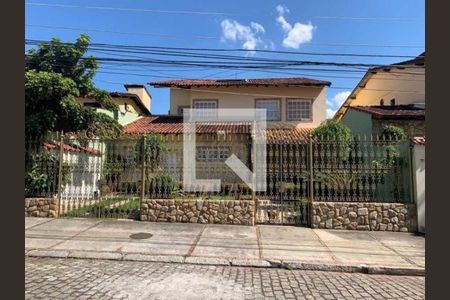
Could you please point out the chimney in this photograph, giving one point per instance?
(142, 92)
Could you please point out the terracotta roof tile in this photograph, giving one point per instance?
(393, 111)
(72, 148)
(291, 81)
(174, 125)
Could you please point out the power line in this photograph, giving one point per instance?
(184, 12)
(367, 18)
(231, 60)
(146, 48)
(210, 37)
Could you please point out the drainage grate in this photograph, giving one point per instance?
(141, 236)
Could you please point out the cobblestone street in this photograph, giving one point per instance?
(50, 278)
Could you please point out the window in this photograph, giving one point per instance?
(393, 101)
(212, 153)
(180, 109)
(272, 107)
(204, 106)
(382, 102)
(298, 109)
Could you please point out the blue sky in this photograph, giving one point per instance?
(330, 26)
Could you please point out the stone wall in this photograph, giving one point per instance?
(240, 212)
(41, 207)
(282, 212)
(365, 216)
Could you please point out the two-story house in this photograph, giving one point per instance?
(294, 107)
(133, 104)
(290, 102)
(388, 95)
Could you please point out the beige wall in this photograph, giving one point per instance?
(244, 97)
(406, 89)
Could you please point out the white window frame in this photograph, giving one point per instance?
(299, 118)
(204, 110)
(271, 100)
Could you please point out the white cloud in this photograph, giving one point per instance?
(330, 113)
(282, 9)
(334, 103)
(339, 98)
(234, 31)
(296, 35)
(258, 27)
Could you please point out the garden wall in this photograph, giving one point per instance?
(240, 212)
(365, 216)
(41, 207)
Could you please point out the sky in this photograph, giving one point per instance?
(380, 27)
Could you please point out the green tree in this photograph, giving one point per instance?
(332, 130)
(391, 132)
(56, 73)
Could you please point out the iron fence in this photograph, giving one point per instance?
(101, 177)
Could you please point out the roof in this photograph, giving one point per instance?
(133, 97)
(291, 81)
(406, 112)
(71, 147)
(418, 61)
(418, 140)
(174, 125)
(165, 124)
(287, 136)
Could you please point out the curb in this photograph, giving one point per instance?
(256, 263)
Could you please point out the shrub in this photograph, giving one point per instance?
(391, 132)
(163, 183)
(42, 178)
(338, 134)
(330, 129)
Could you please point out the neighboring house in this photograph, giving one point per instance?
(369, 120)
(290, 102)
(85, 170)
(133, 104)
(391, 86)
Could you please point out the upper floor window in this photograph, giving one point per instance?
(272, 107)
(204, 106)
(299, 110)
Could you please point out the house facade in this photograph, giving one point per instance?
(133, 104)
(370, 120)
(294, 107)
(290, 102)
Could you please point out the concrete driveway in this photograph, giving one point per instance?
(221, 244)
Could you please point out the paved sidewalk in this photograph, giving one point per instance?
(263, 246)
